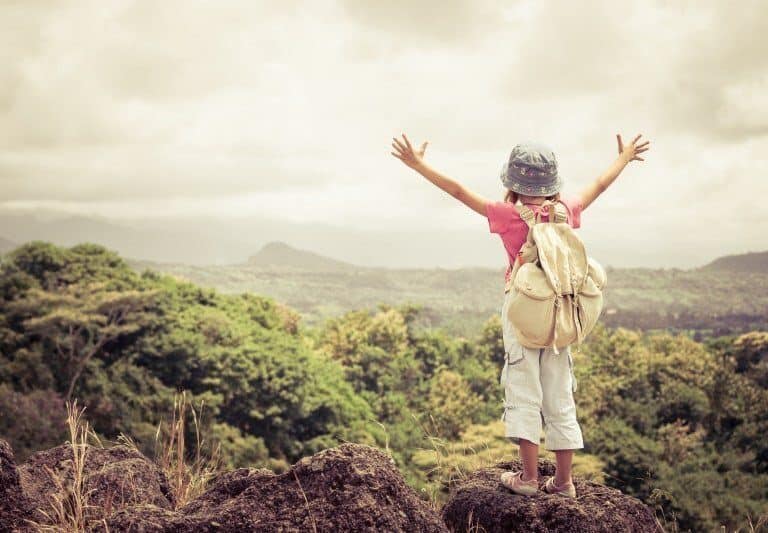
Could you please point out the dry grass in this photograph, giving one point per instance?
(188, 476)
(474, 526)
(188, 472)
(69, 505)
(450, 461)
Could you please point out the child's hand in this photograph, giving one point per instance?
(630, 151)
(406, 153)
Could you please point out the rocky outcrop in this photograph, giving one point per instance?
(481, 503)
(351, 487)
(348, 488)
(113, 477)
(14, 506)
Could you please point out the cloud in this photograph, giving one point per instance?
(195, 108)
(427, 23)
(701, 72)
(716, 83)
(125, 98)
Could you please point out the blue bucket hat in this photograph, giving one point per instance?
(531, 170)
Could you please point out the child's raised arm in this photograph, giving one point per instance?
(415, 159)
(626, 154)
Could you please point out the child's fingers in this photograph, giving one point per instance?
(636, 138)
(618, 139)
(407, 142)
(397, 156)
(398, 148)
(399, 144)
(401, 151)
(639, 158)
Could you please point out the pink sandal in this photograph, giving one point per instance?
(514, 482)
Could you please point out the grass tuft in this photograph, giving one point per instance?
(188, 472)
(69, 504)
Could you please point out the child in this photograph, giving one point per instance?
(538, 384)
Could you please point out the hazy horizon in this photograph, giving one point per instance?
(214, 246)
(205, 130)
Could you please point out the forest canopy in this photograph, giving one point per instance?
(670, 420)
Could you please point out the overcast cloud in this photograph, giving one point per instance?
(225, 109)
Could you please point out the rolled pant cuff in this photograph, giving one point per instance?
(522, 425)
(563, 445)
(571, 440)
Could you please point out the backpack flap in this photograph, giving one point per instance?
(562, 257)
(532, 282)
(532, 307)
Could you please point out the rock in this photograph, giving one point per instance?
(481, 502)
(14, 506)
(113, 478)
(351, 487)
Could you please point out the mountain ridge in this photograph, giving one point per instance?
(210, 240)
(281, 254)
(748, 262)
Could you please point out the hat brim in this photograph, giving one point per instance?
(516, 184)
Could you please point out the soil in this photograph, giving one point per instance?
(481, 503)
(351, 487)
(14, 506)
(348, 488)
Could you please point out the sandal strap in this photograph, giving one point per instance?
(550, 484)
(509, 479)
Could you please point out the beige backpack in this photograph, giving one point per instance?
(557, 291)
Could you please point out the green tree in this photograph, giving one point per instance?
(77, 322)
(452, 403)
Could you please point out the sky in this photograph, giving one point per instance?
(274, 121)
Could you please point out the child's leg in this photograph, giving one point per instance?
(529, 455)
(522, 397)
(564, 460)
(561, 428)
(522, 404)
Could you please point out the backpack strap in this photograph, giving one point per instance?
(557, 211)
(556, 207)
(526, 214)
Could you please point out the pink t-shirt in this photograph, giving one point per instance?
(504, 219)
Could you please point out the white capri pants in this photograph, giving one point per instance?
(538, 393)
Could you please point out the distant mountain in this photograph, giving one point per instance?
(462, 300)
(6, 245)
(749, 262)
(280, 254)
(158, 242)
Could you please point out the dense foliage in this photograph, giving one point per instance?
(80, 322)
(673, 421)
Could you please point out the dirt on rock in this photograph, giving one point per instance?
(14, 506)
(481, 503)
(351, 487)
(112, 478)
